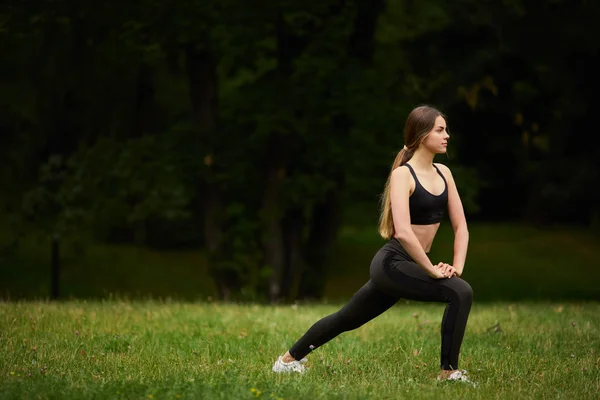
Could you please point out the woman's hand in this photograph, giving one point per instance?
(438, 272)
(447, 269)
(443, 270)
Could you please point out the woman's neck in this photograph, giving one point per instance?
(422, 159)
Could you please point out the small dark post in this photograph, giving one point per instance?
(55, 274)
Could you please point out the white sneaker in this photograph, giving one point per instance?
(292, 366)
(460, 376)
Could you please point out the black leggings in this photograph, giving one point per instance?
(394, 276)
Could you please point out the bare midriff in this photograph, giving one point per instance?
(425, 234)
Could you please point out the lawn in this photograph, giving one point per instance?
(184, 350)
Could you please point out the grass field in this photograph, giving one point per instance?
(172, 350)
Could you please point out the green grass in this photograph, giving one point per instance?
(171, 350)
(505, 262)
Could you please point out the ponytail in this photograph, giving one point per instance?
(386, 220)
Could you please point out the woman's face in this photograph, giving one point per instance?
(436, 140)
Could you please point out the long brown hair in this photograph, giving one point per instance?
(419, 123)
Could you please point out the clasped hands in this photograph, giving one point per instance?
(443, 270)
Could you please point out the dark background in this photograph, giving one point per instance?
(238, 149)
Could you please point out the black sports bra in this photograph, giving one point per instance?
(426, 208)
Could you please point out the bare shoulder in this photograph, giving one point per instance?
(401, 178)
(402, 170)
(401, 173)
(444, 169)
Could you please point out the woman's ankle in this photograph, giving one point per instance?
(445, 373)
(287, 357)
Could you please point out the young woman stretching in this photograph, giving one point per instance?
(416, 196)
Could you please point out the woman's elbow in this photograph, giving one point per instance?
(458, 224)
(461, 229)
(402, 234)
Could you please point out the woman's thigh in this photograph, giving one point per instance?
(406, 279)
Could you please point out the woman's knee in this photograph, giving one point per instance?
(462, 289)
(466, 291)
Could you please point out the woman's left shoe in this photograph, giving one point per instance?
(292, 366)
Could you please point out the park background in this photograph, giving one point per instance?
(237, 151)
(187, 186)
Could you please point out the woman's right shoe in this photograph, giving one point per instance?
(459, 376)
(292, 366)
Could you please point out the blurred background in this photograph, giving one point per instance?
(237, 150)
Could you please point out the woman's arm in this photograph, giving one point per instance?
(458, 221)
(399, 194)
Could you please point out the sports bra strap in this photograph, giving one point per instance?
(440, 172)
(412, 172)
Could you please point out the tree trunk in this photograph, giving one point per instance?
(271, 214)
(144, 120)
(294, 263)
(289, 46)
(324, 226)
(55, 268)
(201, 66)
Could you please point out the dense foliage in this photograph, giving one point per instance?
(254, 129)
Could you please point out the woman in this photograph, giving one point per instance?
(416, 196)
